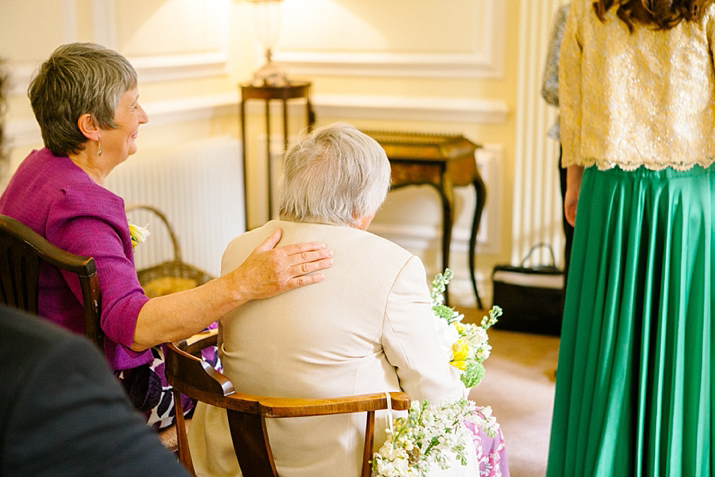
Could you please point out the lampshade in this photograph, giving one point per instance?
(267, 23)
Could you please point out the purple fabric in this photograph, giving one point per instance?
(62, 203)
(491, 452)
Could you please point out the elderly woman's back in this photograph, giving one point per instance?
(367, 328)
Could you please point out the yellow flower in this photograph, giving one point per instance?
(461, 365)
(460, 328)
(460, 352)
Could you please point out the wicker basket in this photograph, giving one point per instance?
(173, 275)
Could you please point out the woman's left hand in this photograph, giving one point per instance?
(269, 271)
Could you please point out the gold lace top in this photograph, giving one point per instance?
(646, 98)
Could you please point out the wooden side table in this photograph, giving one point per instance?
(442, 161)
(284, 93)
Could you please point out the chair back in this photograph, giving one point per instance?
(22, 250)
(191, 375)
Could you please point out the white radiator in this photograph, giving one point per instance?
(537, 198)
(198, 186)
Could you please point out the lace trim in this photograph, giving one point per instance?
(604, 164)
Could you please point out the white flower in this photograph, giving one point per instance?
(385, 468)
(447, 335)
(401, 465)
(138, 234)
(483, 352)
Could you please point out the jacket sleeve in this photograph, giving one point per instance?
(411, 343)
(570, 87)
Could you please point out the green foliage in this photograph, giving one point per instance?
(473, 374)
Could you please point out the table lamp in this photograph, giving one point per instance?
(267, 14)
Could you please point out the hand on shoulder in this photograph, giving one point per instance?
(269, 271)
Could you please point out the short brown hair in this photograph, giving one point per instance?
(78, 78)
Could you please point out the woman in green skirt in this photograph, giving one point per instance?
(634, 392)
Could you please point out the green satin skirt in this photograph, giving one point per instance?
(633, 388)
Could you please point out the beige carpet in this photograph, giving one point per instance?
(519, 386)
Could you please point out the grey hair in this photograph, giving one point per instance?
(335, 175)
(77, 79)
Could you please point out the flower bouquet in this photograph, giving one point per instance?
(431, 433)
(468, 343)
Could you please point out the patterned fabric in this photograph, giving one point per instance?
(491, 453)
(152, 394)
(642, 98)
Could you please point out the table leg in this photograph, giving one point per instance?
(446, 192)
(245, 168)
(269, 169)
(481, 198)
(310, 115)
(285, 125)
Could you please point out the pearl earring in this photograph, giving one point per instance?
(99, 147)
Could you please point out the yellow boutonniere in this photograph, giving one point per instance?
(138, 234)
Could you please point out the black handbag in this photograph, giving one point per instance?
(531, 297)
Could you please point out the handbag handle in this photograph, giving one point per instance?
(537, 246)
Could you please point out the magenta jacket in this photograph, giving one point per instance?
(62, 203)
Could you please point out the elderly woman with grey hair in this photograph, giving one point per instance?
(367, 328)
(86, 100)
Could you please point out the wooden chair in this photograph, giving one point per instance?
(247, 414)
(22, 251)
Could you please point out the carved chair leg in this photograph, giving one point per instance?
(181, 437)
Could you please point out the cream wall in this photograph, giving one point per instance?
(412, 65)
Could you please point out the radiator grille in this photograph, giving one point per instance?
(537, 207)
(199, 187)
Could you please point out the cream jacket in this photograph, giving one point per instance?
(367, 328)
